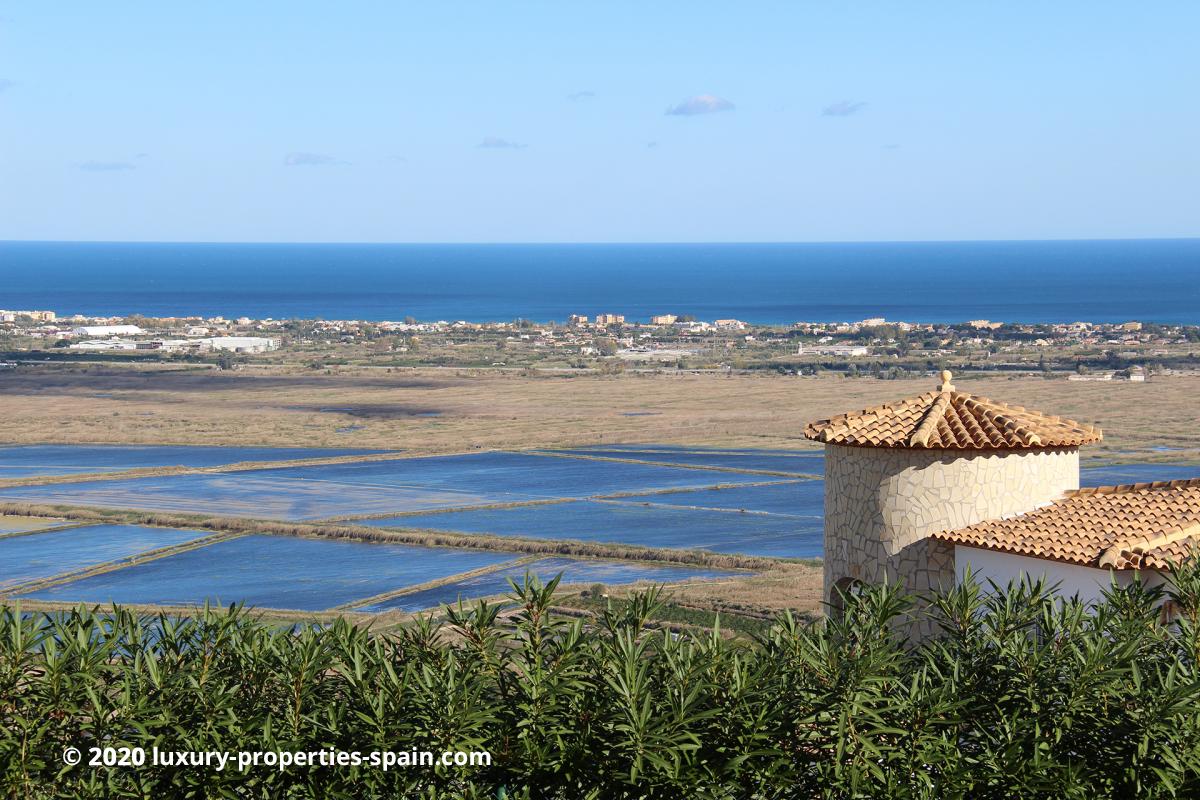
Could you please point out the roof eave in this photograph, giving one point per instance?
(1094, 563)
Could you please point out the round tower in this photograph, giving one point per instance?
(899, 472)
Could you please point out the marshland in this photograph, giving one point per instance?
(712, 488)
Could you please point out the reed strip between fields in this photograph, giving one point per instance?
(550, 501)
(249, 466)
(281, 615)
(400, 535)
(50, 529)
(451, 509)
(707, 467)
(714, 509)
(237, 466)
(420, 587)
(682, 489)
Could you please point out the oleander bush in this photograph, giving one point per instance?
(1020, 696)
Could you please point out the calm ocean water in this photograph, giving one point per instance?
(1151, 280)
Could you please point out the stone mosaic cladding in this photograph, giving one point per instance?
(882, 505)
(946, 419)
(1142, 525)
(906, 482)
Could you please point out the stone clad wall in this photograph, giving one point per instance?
(882, 503)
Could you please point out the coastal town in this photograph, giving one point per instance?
(606, 341)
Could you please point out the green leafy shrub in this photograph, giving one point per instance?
(1022, 695)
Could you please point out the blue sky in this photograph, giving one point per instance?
(522, 122)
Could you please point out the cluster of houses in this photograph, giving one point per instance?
(35, 316)
(685, 324)
(986, 331)
(665, 336)
(98, 334)
(232, 344)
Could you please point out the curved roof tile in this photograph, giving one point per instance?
(946, 419)
(1131, 526)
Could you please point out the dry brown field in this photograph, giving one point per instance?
(442, 411)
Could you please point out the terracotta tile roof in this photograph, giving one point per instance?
(1122, 527)
(946, 419)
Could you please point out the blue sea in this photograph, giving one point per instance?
(1061, 281)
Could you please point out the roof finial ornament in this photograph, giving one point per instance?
(946, 386)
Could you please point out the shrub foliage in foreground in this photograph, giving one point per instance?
(1021, 696)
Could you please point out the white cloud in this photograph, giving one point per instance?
(843, 109)
(497, 143)
(700, 104)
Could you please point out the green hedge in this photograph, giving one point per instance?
(1022, 696)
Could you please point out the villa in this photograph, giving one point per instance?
(919, 490)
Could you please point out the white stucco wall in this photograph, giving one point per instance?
(1002, 568)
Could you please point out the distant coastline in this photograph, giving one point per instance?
(1106, 281)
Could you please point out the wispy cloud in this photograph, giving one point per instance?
(575, 97)
(106, 166)
(700, 104)
(310, 160)
(843, 109)
(6, 84)
(497, 143)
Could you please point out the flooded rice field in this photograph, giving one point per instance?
(506, 474)
(274, 572)
(25, 461)
(252, 494)
(794, 498)
(1136, 473)
(41, 555)
(795, 463)
(620, 522)
(374, 487)
(652, 495)
(573, 570)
